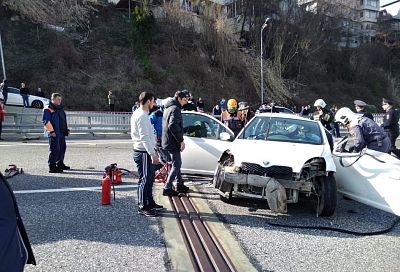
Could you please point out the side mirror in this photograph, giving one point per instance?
(225, 136)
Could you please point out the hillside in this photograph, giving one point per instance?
(83, 66)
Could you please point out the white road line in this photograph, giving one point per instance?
(69, 143)
(94, 189)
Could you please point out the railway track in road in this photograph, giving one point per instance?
(204, 249)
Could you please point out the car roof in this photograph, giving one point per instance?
(283, 115)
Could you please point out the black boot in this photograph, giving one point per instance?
(54, 169)
(62, 166)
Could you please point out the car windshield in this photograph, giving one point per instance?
(282, 130)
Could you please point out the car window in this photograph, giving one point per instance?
(200, 126)
(13, 90)
(283, 130)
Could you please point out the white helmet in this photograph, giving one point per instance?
(319, 103)
(345, 116)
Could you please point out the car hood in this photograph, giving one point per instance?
(272, 153)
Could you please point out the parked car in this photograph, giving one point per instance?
(275, 157)
(279, 109)
(15, 99)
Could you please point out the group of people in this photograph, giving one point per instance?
(362, 127)
(149, 147)
(24, 92)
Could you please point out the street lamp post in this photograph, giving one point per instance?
(2, 58)
(262, 58)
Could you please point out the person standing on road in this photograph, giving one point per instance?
(172, 141)
(4, 90)
(360, 108)
(391, 123)
(111, 100)
(24, 91)
(40, 93)
(216, 111)
(56, 128)
(231, 117)
(2, 116)
(145, 154)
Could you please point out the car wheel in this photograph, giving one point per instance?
(327, 194)
(222, 185)
(37, 104)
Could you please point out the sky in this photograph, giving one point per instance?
(393, 9)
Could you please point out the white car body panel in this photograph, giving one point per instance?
(369, 181)
(201, 155)
(271, 153)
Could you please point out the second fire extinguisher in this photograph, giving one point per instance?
(106, 190)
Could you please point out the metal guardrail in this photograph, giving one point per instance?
(84, 122)
(78, 122)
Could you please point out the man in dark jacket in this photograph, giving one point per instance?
(390, 123)
(15, 249)
(172, 141)
(56, 128)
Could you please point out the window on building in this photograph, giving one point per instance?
(361, 2)
(361, 14)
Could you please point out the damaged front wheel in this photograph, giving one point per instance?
(225, 188)
(325, 187)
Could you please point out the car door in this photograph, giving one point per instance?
(14, 97)
(204, 146)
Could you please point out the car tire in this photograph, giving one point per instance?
(221, 185)
(327, 195)
(37, 104)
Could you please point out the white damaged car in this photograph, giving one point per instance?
(277, 157)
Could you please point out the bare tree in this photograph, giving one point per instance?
(69, 13)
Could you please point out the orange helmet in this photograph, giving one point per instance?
(232, 105)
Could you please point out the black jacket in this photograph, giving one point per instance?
(390, 121)
(15, 248)
(172, 131)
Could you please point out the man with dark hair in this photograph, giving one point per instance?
(56, 129)
(4, 90)
(172, 141)
(24, 91)
(144, 154)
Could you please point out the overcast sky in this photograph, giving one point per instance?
(393, 9)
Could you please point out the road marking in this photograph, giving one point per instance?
(94, 189)
(70, 143)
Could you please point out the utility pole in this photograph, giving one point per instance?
(129, 8)
(2, 58)
(262, 59)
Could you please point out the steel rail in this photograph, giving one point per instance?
(206, 252)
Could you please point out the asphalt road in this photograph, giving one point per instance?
(71, 231)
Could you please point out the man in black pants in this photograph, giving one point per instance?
(390, 124)
(172, 141)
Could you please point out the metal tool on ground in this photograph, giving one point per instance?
(12, 170)
(162, 173)
(205, 250)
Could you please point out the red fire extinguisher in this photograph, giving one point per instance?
(117, 176)
(106, 190)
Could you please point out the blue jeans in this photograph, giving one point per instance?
(146, 179)
(57, 150)
(175, 173)
(25, 99)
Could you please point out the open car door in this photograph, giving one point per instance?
(206, 139)
(369, 177)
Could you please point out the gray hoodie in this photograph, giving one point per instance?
(142, 132)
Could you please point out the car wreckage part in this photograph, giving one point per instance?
(206, 252)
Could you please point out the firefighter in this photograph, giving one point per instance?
(360, 108)
(325, 116)
(390, 123)
(365, 132)
(56, 129)
(230, 117)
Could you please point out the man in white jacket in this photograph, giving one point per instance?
(145, 154)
